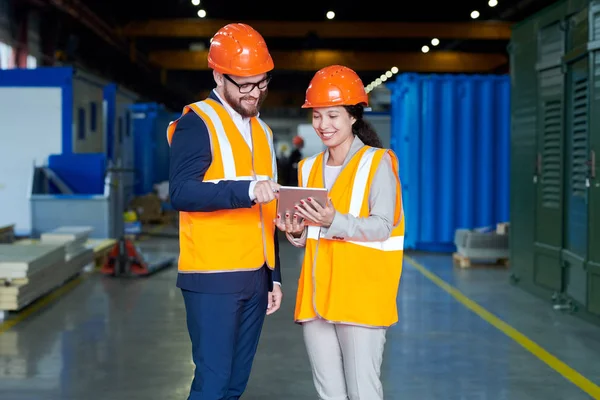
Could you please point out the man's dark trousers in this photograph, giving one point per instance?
(224, 330)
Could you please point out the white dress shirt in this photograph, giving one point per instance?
(243, 125)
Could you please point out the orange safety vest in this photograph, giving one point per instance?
(233, 239)
(345, 281)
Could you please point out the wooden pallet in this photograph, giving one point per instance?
(466, 262)
(102, 248)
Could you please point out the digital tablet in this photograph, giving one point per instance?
(290, 196)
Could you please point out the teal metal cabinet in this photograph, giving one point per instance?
(549, 163)
(555, 217)
(575, 246)
(523, 56)
(593, 261)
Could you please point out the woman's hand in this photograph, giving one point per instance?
(292, 225)
(310, 210)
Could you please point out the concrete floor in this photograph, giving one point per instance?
(115, 339)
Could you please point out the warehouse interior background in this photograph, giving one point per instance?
(492, 106)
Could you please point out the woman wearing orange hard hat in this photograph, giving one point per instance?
(352, 264)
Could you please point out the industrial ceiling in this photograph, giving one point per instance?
(160, 46)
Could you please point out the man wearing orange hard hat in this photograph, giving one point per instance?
(223, 176)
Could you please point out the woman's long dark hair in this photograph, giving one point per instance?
(362, 128)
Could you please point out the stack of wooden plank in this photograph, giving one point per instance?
(29, 271)
(73, 237)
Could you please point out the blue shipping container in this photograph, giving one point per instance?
(149, 127)
(452, 136)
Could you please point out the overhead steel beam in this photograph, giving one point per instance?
(437, 61)
(196, 28)
(80, 11)
(88, 18)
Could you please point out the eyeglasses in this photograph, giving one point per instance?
(248, 87)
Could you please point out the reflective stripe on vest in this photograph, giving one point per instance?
(394, 243)
(224, 145)
(347, 281)
(233, 239)
(359, 188)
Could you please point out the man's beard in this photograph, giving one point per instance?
(236, 104)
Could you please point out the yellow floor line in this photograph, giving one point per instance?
(569, 373)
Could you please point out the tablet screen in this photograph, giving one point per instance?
(290, 196)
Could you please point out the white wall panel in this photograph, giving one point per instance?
(382, 125)
(312, 142)
(30, 131)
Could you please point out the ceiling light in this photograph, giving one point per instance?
(389, 74)
(435, 41)
(378, 81)
(394, 70)
(425, 49)
(475, 14)
(201, 13)
(196, 2)
(493, 3)
(330, 14)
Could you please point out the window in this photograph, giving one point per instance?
(81, 124)
(31, 62)
(7, 56)
(128, 123)
(93, 116)
(120, 130)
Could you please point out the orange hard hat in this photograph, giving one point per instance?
(238, 49)
(298, 141)
(335, 85)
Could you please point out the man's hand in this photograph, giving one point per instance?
(275, 298)
(265, 191)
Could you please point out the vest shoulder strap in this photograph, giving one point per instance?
(173, 124)
(304, 168)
